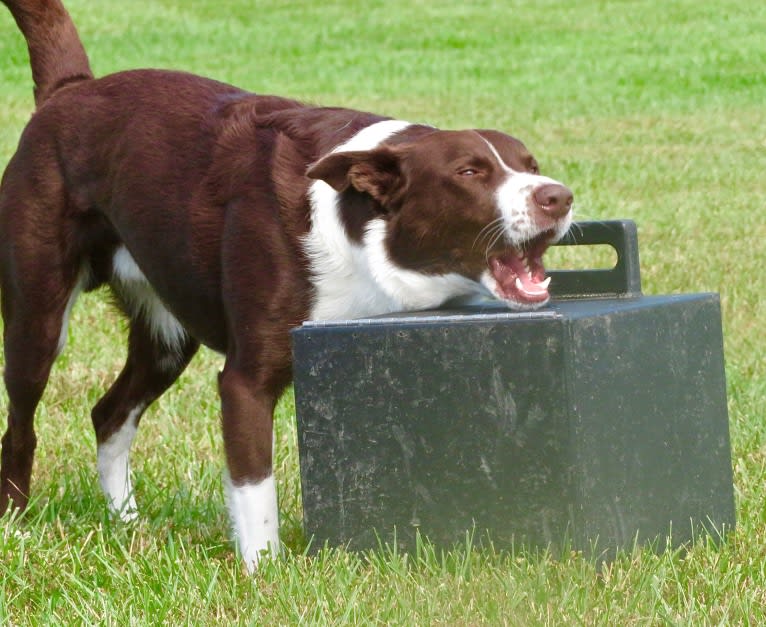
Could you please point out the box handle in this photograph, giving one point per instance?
(622, 280)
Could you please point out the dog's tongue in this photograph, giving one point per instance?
(520, 277)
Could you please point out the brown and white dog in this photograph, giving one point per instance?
(226, 218)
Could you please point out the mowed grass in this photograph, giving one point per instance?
(653, 112)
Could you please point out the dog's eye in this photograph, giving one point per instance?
(534, 168)
(467, 172)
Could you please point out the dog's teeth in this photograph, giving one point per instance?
(546, 283)
(520, 285)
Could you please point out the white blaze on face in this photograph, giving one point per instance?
(516, 204)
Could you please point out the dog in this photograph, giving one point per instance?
(226, 218)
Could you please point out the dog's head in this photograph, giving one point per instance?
(467, 203)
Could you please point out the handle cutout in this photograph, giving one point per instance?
(609, 248)
(593, 257)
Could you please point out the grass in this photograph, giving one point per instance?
(649, 112)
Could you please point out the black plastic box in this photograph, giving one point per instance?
(591, 424)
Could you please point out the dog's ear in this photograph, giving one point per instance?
(376, 172)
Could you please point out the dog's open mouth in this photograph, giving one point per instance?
(519, 272)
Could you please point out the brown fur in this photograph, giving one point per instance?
(207, 187)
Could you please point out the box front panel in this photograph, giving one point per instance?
(442, 428)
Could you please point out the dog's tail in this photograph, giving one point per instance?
(56, 53)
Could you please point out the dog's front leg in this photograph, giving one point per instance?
(248, 407)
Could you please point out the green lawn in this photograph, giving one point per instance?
(650, 111)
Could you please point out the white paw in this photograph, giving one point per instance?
(255, 520)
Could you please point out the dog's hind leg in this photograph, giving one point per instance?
(151, 368)
(38, 292)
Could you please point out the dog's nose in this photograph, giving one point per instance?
(554, 199)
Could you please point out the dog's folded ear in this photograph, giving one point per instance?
(376, 172)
